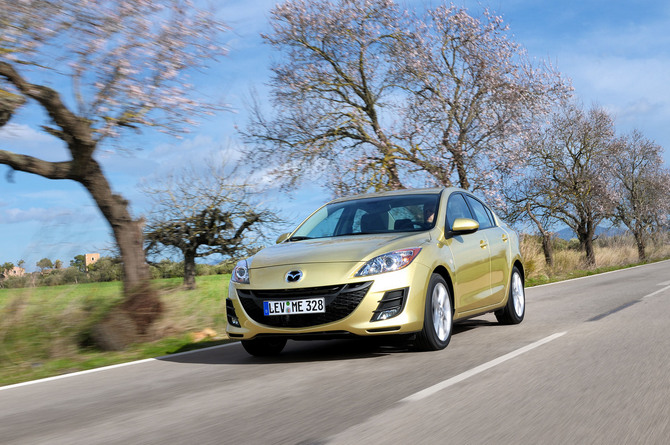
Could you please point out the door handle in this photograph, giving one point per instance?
(483, 244)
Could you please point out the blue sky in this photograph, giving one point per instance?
(617, 55)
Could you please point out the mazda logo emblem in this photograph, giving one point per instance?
(294, 276)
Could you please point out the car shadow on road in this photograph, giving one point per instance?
(311, 351)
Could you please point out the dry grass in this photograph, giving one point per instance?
(611, 253)
(46, 323)
(43, 330)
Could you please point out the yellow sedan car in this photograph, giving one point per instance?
(408, 262)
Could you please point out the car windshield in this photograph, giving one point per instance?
(389, 214)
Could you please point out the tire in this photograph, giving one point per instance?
(515, 309)
(438, 319)
(264, 346)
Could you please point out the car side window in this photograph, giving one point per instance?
(481, 213)
(457, 208)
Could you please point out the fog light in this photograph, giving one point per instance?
(231, 315)
(383, 315)
(234, 321)
(391, 304)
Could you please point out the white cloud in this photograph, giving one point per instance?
(15, 216)
(24, 133)
(199, 151)
(622, 65)
(51, 195)
(21, 138)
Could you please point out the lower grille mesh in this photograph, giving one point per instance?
(340, 301)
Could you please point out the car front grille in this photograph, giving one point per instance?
(340, 300)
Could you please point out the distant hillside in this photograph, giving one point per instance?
(567, 233)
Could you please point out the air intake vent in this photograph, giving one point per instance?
(340, 300)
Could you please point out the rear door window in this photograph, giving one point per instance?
(481, 213)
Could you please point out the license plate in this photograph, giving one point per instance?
(310, 306)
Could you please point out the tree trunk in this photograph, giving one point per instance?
(585, 236)
(586, 243)
(590, 253)
(189, 269)
(459, 161)
(140, 299)
(641, 245)
(547, 248)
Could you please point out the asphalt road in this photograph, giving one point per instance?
(589, 364)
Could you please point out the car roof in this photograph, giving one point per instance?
(422, 191)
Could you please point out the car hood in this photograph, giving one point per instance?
(353, 248)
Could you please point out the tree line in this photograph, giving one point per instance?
(106, 269)
(579, 173)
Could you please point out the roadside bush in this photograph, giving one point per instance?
(169, 269)
(573, 244)
(16, 282)
(105, 269)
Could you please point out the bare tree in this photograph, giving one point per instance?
(642, 184)
(201, 214)
(524, 201)
(378, 98)
(124, 64)
(569, 175)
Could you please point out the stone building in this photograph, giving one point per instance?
(91, 258)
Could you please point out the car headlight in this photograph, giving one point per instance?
(241, 272)
(389, 262)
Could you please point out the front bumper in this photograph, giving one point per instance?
(350, 305)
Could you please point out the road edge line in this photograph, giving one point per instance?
(110, 367)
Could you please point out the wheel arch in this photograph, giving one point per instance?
(517, 263)
(444, 273)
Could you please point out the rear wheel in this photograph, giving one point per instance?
(438, 317)
(515, 309)
(264, 346)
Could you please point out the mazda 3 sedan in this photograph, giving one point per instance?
(408, 262)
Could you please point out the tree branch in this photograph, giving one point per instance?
(76, 128)
(29, 164)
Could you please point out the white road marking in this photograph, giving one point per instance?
(657, 292)
(106, 368)
(665, 283)
(481, 368)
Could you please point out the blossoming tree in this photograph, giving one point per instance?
(642, 184)
(380, 98)
(97, 69)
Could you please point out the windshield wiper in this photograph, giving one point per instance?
(298, 238)
(361, 233)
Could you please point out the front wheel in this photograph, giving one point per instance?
(438, 317)
(264, 346)
(515, 308)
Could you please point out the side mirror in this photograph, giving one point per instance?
(282, 237)
(463, 226)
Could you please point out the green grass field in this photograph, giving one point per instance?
(43, 330)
